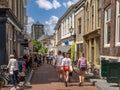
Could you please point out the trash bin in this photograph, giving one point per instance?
(104, 67)
(113, 73)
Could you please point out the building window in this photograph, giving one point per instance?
(79, 26)
(87, 21)
(64, 28)
(107, 27)
(99, 13)
(92, 17)
(79, 49)
(118, 23)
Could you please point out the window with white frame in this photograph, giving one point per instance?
(107, 27)
(64, 28)
(99, 13)
(118, 23)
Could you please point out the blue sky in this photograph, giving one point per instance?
(46, 12)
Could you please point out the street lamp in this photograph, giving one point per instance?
(71, 30)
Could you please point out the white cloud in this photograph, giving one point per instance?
(56, 4)
(69, 3)
(30, 22)
(47, 5)
(50, 24)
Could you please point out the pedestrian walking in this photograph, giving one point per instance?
(58, 65)
(24, 64)
(47, 58)
(82, 66)
(71, 68)
(51, 59)
(66, 63)
(13, 70)
(35, 61)
(44, 57)
(40, 59)
(29, 62)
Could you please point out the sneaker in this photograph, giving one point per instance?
(80, 84)
(69, 80)
(65, 83)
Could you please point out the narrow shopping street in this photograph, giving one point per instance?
(84, 32)
(45, 78)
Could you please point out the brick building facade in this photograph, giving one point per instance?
(110, 30)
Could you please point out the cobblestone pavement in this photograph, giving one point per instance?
(45, 78)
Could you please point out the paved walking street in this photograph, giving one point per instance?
(45, 78)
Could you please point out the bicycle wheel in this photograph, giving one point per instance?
(2, 82)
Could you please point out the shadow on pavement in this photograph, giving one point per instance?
(47, 74)
(44, 74)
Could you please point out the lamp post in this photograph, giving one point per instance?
(71, 31)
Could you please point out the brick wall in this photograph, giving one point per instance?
(112, 50)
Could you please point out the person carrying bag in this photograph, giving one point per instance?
(66, 63)
(82, 66)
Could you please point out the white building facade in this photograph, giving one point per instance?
(66, 29)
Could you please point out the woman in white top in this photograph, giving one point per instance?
(13, 69)
(66, 62)
(58, 62)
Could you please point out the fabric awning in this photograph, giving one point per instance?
(64, 48)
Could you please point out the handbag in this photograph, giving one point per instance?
(11, 70)
(71, 68)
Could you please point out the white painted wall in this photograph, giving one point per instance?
(66, 24)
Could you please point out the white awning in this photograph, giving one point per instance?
(64, 48)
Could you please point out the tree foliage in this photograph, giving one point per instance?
(43, 50)
(36, 45)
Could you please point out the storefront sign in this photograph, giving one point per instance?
(66, 42)
(20, 38)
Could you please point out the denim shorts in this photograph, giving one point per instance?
(82, 68)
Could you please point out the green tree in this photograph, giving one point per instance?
(46, 50)
(36, 45)
(43, 50)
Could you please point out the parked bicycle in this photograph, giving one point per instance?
(4, 76)
(92, 73)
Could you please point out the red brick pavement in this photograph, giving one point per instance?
(45, 78)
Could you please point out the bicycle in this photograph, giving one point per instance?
(4, 76)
